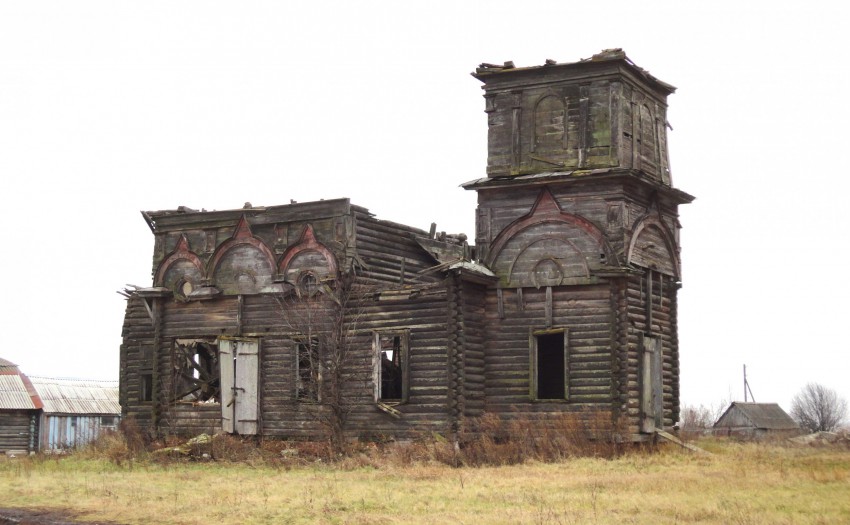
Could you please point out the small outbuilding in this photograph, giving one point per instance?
(756, 420)
(19, 409)
(75, 411)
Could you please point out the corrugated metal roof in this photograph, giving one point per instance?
(77, 396)
(14, 394)
(769, 416)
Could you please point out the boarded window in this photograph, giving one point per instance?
(195, 371)
(307, 370)
(146, 387)
(391, 374)
(549, 365)
(648, 154)
(549, 125)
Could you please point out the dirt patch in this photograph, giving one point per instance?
(42, 517)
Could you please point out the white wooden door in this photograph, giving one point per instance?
(238, 361)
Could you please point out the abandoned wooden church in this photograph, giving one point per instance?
(288, 320)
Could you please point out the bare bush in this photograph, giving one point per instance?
(500, 441)
(818, 408)
(323, 319)
(696, 420)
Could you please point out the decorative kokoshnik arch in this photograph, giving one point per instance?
(243, 263)
(548, 247)
(307, 260)
(181, 271)
(652, 246)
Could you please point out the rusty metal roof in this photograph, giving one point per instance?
(14, 394)
(77, 396)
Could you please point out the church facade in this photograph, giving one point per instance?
(287, 320)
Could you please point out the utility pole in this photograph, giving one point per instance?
(747, 387)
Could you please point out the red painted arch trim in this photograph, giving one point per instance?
(546, 209)
(181, 253)
(241, 235)
(307, 242)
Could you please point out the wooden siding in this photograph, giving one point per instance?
(137, 354)
(64, 431)
(396, 293)
(473, 299)
(18, 431)
(426, 318)
(574, 119)
(663, 326)
(192, 419)
(615, 208)
(584, 311)
(577, 203)
(199, 319)
(389, 254)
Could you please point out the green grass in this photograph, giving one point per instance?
(738, 484)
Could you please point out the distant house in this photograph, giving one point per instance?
(755, 420)
(75, 411)
(19, 409)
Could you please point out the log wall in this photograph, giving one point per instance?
(18, 431)
(137, 358)
(396, 294)
(663, 326)
(584, 311)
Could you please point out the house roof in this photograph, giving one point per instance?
(76, 396)
(16, 390)
(14, 394)
(768, 416)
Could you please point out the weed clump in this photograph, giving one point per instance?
(494, 440)
(490, 440)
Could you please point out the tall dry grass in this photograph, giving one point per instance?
(740, 483)
(503, 473)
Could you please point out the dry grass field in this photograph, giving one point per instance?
(739, 483)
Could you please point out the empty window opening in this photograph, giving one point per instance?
(195, 376)
(391, 374)
(146, 387)
(550, 366)
(307, 378)
(391, 371)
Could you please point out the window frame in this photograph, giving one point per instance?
(533, 375)
(315, 376)
(377, 378)
(196, 357)
(146, 387)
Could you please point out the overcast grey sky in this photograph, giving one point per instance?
(111, 107)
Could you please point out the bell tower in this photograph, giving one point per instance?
(578, 219)
(602, 112)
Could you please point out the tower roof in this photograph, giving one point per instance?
(602, 63)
